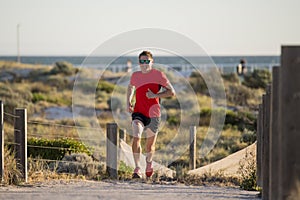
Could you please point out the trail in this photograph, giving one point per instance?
(86, 190)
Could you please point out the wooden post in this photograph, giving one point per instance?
(193, 132)
(263, 133)
(20, 132)
(274, 136)
(289, 122)
(122, 133)
(1, 143)
(111, 150)
(266, 144)
(259, 146)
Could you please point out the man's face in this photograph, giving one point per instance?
(145, 63)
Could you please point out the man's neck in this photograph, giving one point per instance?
(147, 71)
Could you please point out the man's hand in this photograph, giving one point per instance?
(150, 94)
(130, 108)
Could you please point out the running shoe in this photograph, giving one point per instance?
(137, 173)
(149, 168)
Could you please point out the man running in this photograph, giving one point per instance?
(147, 85)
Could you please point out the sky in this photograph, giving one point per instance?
(78, 27)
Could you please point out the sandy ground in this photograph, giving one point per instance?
(229, 166)
(59, 190)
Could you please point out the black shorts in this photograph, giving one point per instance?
(152, 123)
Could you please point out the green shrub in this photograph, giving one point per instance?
(205, 116)
(229, 144)
(124, 171)
(58, 81)
(198, 83)
(257, 79)
(55, 149)
(65, 68)
(242, 120)
(38, 97)
(105, 86)
(248, 136)
(239, 95)
(171, 104)
(173, 120)
(232, 77)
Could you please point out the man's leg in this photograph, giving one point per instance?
(137, 128)
(150, 149)
(150, 144)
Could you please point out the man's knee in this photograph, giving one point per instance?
(137, 127)
(136, 139)
(137, 124)
(150, 147)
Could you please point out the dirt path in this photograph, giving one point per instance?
(75, 190)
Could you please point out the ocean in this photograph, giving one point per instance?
(77, 60)
(226, 63)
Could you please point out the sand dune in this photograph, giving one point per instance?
(229, 165)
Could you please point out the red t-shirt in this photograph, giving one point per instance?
(152, 80)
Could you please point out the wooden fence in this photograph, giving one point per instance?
(20, 140)
(113, 134)
(278, 149)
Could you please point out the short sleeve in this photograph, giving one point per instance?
(133, 80)
(164, 80)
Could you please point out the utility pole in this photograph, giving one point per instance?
(18, 43)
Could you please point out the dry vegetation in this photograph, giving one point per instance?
(45, 86)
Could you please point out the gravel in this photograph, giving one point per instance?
(110, 190)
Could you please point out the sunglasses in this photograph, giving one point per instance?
(144, 61)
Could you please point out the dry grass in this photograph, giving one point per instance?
(212, 178)
(75, 166)
(16, 65)
(39, 171)
(12, 175)
(247, 171)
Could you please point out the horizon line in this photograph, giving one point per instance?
(216, 55)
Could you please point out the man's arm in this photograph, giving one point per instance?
(169, 92)
(130, 93)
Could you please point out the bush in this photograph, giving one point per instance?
(124, 171)
(171, 104)
(232, 77)
(63, 68)
(242, 120)
(257, 79)
(247, 170)
(40, 88)
(59, 82)
(55, 149)
(198, 83)
(173, 120)
(38, 97)
(205, 116)
(239, 95)
(248, 136)
(105, 86)
(80, 164)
